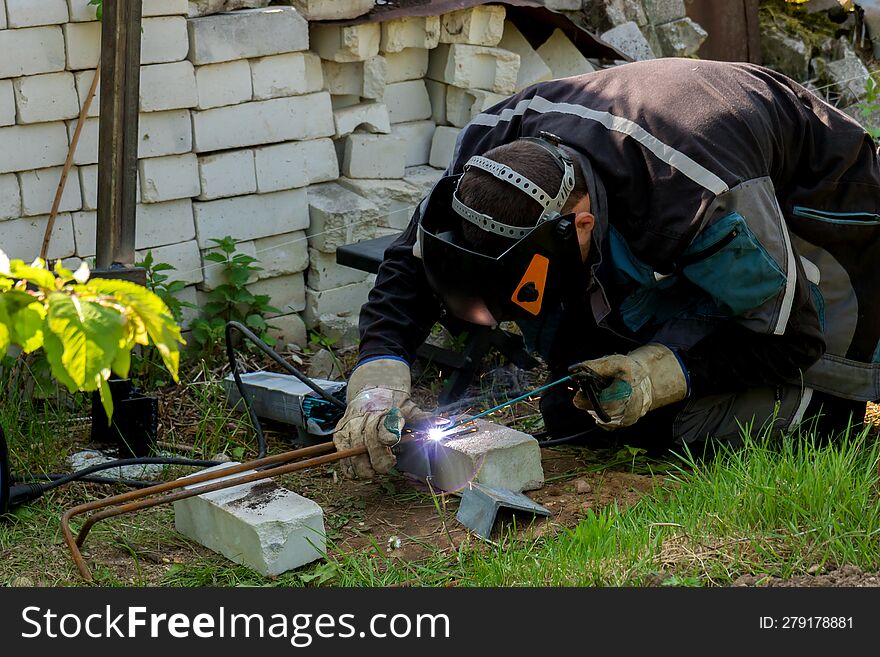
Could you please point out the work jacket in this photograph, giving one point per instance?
(737, 221)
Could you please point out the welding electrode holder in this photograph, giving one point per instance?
(591, 384)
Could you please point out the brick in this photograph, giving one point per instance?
(682, 38)
(228, 83)
(338, 216)
(373, 156)
(417, 135)
(423, 178)
(283, 254)
(410, 32)
(408, 101)
(349, 43)
(263, 122)
(396, 200)
(83, 43)
(3, 24)
(260, 525)
(532, 68)
(165, 8)
(45, 98)
(159, 224)
(494, 455)
(209, 7)
(437, 96)
(164, 133)
(163, 40)
(81, 10)
(374, 78)
(7, 103)
(38, 189)
(286, 293)
(246, 34)
(25, 147)
(23, 238)
(295, 164)
(340, 102)
(87, 148)
(345, 299)
(250, 217)
(664, 11)
(33, 13)
(168, 87)
(31, 51)
(325, 274)
(184, 257)
(169, 178)
(213, 272)
(332, 10)
(85, 225)
(462, 105)
(88, 179)
(230, 173)
(443, 146)
(10, 197)
(291, 74)
(343, 328)
(372, 117)
(475, 67)
(629, 40)
(343, 78)
(563, 57)
(482, 25)
(409, 64)
(289, 329)
(83, 81)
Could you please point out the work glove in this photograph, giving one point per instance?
(643, 380)
(379, 406)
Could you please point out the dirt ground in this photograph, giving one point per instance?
(844, 576)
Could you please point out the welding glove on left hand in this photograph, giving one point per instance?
(379, 406)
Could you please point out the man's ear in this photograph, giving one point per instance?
(584, 221)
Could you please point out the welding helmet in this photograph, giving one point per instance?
(529, 276)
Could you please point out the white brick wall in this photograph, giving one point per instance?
(159, 224)
(228, 83)
(22, 238)
(184, 257)
(45, 98)
(283, 254)
(7, 103)
(38, 190)
(10, 197)
(163, 39)
(167, 87)
(295, 164)
(164, 133)
(32, 146)
(83, 84)
(31, 51)
(227, 174)
(169, 178)
(32, 13)
(250, 217)
(83, 43)
(257, 33)
(290, 74)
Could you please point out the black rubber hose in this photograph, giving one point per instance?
(553, 442)
(90, 479)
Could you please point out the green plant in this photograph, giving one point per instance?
(87, 327)
(231, 301)
(99, 8)
(157, 282)
(869, 107)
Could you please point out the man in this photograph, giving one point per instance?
(704, 234)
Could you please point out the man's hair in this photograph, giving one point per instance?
(484, 193)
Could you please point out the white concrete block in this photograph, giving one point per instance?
(437, 95)
(332, 10)
(629, 40)
(83, 42)
(462, 105)
(164, 133)
(475, 67)
(409, 64)
(342, 328)
(10, 197)
(31, 51)
(169, 178)
(349, 43)
(495, 456)
(7, 103)
(81, 10)
(443, 146)
(230, 173)
(213, 272)
(87, 148)
(290, 74)
(482, 25)
(190, 295)
(168, 87)
(3, 24)
(263, 122)
(163, 39)
(280, 255)
(532, 68)
(88, 182)
(165, 8)
(417, 135)
(325, 274)
(33, 13)
(408, 101)
(564, 5)
(345, 299)
(563, 57)
(250, 217)
(289, 329)
(84, 229)
(247, 33)
(295, 164)
(23, 238)
(373, 156)
(410, 32)
(338, 216)
(210, 7)
(228, 83)
(184, 257)
(343, 78)
(374, 78)
(423, 178)
(261, 525)
(395, 199)
(45, 98)
(159, 224)
(371, 117)
(38, 189)
(24, 147)
(340, 102)
(83, 81)
(286, 293)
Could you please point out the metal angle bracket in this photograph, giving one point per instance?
(480, 505)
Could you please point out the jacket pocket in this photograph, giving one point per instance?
(732, 266)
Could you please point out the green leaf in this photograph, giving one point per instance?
(28, 324)
(215, 256)
(106, 398)
(36, 273)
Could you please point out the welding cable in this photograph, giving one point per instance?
(89, 479)
(553, 442)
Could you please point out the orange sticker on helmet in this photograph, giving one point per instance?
(529, 294)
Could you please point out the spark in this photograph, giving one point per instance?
(436, 434)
